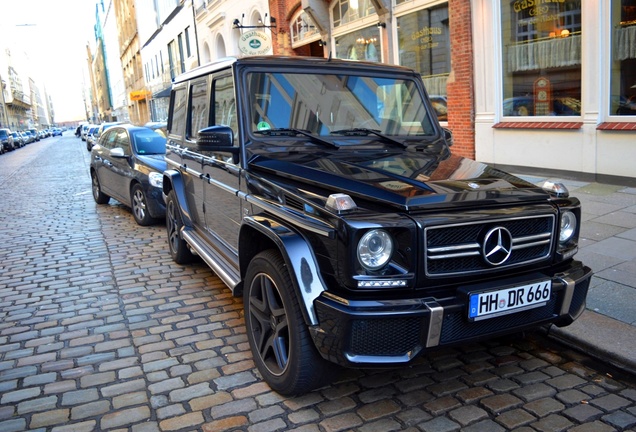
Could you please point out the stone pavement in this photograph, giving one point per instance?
(608, 246)
(101, 331)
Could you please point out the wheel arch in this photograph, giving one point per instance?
(258, 235)
(173, 181)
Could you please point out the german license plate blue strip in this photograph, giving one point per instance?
(489, 304)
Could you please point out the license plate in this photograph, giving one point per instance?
(489, 304)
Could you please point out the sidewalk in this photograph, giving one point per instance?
(607, 329)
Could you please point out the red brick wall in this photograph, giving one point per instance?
(461, 111)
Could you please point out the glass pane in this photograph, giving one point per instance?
(346, 11)
(623, 74)
(321, 104)
(541, 58)
(225, 104)
(178, 123)
(424, 44)
(199, 108)
(363, 44)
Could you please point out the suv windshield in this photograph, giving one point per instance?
(326, 104)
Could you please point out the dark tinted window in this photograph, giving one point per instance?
(178, 119)
(199, 115)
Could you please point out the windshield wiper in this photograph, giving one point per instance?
(294, 132)
(365, 132)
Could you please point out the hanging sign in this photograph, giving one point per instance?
(255, 43)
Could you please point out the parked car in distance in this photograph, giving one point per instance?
(127, 164)
(18, 140)
(6, 140)
(91, 137)
(104, 126)
(325, 192)
(159, 127)
(35, 133)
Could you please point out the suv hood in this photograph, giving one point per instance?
(402, 179)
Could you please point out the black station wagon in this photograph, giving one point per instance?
(326, 193)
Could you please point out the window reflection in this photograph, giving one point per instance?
(424, 45)
(541, 58)
(623, 74)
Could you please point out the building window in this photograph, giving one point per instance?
(541, 53)
(363, 44)
(346, 11)
(424, 45)
(187, 42)
(623, 72)
(302, 29)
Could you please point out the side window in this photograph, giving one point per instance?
(225, 103)
(123, 141)
(109, 140)
(199, 115)
(178, 118)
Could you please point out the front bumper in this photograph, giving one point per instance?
(392, 332)
(155, 202)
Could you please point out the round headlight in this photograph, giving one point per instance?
(375, 249)
(568, 226)
(156, 179)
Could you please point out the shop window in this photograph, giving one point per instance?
(303, 28)
(424, 45)
(363, 44)
(623, 72)
(346, 11)
(541, 47)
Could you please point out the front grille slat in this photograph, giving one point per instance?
(458, 248)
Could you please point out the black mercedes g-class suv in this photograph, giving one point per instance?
(326, 194)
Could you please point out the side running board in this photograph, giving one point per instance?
(224, 269)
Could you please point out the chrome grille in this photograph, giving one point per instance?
(459, 248)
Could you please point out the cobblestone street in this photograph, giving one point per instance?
(101, 330)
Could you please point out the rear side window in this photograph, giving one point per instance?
(177, 125)
(225, 103)
(199, 115)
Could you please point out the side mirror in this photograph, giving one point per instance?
(448, 136)
(216, 138)
(117, 152)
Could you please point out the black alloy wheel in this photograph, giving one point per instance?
(280, 342)
(179, 249)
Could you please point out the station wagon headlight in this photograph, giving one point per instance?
(156, 179)
(568, 226)
(375, 249)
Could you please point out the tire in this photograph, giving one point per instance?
(179, 249)
(280, 342)
(139, 206)
(99, 196)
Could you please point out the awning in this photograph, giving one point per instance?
(162, 94)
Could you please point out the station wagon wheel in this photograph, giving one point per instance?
(140, 206)
(280, 342)
(179, 249)
(99, 196)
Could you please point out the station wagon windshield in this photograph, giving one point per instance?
(345, 105)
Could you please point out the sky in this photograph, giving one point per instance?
(54, 34)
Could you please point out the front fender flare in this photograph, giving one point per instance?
(173, 181)
(300, 260)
